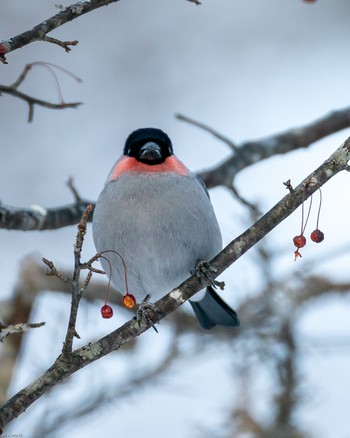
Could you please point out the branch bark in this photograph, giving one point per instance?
(252, 152)
(17, 328)
(39, 32)
(39, 218)
(68, 364)
(31, 101)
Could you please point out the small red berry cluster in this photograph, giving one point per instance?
(317, 235)
(129, 300)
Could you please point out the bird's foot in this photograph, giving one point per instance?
(204, 269)
(144, 310)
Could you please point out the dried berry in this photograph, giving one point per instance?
(299, 241)
(317, 236)
(106, 311)
(129, 301)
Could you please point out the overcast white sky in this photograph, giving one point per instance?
(249, 68)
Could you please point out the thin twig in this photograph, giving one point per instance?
(243, 200)
(31, 101)
(64, 44)
(212, 131)
(54, 273)
(71, 186)
(22, 76)
(76, 290)
(17, 328)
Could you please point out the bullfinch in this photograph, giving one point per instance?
(158, 216)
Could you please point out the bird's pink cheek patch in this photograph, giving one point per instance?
(130, 164)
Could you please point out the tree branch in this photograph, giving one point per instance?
(34, 101)
(76, 289)
(31, 101)
(66, 365)
(17, 328)
(39, 32)
(39, 218)
(207, 128)
(252, 152)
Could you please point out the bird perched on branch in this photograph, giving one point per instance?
(155, 219)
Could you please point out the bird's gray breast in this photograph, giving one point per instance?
(161, 224)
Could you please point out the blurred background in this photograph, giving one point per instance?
(249, 69)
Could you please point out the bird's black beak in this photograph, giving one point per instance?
(150, 151)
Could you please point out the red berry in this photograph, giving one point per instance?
(106, 311)
(129, 300)
(317, 236)
(299, 241)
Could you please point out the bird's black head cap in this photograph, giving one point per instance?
(140, 139)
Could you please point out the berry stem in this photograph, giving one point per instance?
(110, 275)
(303, 226)
(319, 208)
(124, 267)
(302, 214)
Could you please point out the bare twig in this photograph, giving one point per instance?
(69, 363)
(64, 44)
(212, 131)
(32, 101)
(71, 186)
(76, 289)
(53, 271)
(288, 185)
(17, 328)
(243, 200)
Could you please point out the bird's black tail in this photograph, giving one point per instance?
(211, 310)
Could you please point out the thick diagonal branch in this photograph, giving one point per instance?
(68, 364)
